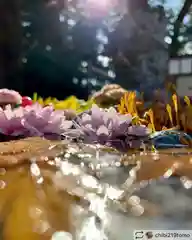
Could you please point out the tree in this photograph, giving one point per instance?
(49, 59)
(137, 47)
(10, 41)
(61, 43)
(174, 46)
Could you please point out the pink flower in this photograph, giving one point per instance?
(33, 120)
(110, 128)
(10, 96)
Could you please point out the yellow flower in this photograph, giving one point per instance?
(128, 104)
(71, 102)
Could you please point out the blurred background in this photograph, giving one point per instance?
(74, 47)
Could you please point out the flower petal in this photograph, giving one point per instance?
(137, 130)
(85, 119)
(102, 130)
(96, 116)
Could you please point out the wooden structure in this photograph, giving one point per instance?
(180, 73)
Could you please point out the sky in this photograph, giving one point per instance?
(174, 3)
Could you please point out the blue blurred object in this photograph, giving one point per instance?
(169, 139)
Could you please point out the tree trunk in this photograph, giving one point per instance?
(10, 42)
(134, 5)
(173, 50)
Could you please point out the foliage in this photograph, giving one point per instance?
(168, 112)
(64, 53)
(136, 60)
(71, 102)
(65, 44)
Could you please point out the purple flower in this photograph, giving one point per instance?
(9, 96)
(33, 120)
(110, 128)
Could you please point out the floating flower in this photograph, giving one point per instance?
(109, 128)
(33, 120)
(9, 97)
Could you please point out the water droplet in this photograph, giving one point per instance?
(186, 182)
(155, 156)
(134, 200)
(61, 236)
(2, 184)
(67, 155)
(117, 164)
(137, 210)
(89, 182)
(35, 171)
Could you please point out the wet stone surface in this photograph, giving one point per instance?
(61, 187)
